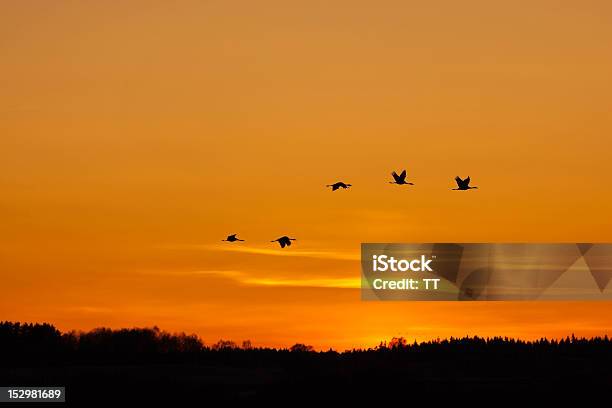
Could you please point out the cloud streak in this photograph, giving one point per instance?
(244, 279)
(339, 283)
(344, 256)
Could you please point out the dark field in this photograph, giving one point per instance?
(146, 365)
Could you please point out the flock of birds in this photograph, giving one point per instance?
(399, 179)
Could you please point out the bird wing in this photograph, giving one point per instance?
(467, 181)
(231, 236)
(282, 243)
(403, 175)
(396, 177)
(335, 186)
(459, 181)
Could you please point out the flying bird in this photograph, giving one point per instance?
(338, 185)
(401, 179)
(463, 184)
(232, 238)
(284, 241)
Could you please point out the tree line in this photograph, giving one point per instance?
(44, 342)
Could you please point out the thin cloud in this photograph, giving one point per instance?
(215, 272)
(293, 252)
(340, 283)
(245, 279)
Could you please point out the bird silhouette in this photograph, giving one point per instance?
(284, 241)
(463, 184)
(401, 179)
(338, 185)
(232, 238)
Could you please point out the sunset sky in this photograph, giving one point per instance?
(135, 135)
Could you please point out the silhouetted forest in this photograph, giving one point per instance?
(150, 364)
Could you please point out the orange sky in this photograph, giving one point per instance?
(135, 135)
